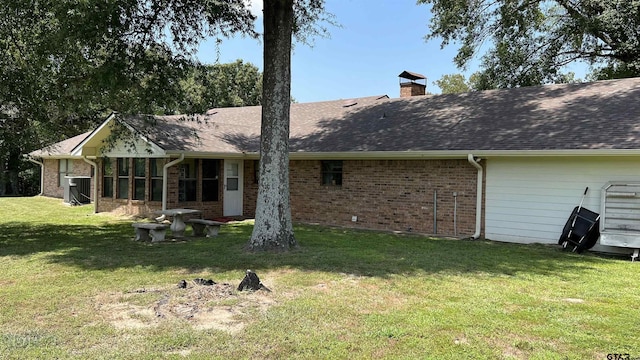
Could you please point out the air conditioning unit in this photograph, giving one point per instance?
(77, 190)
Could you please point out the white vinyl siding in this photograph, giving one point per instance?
(528, 200)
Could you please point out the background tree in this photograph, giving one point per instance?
(452, 84)
(531, 41)
(221, 85)
(65, 65)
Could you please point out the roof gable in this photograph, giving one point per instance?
(132, 142)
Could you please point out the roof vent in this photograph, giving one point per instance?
(410, 84)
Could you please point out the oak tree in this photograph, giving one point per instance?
(273, 229)
(529, 42)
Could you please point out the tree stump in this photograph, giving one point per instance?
(252, 282)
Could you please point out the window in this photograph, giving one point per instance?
(187, 186)
(232, 176)
(107, 178)
(210, 182)
(65, 169)
(156, 179)
(139, 178)
(332, 172)
(123, 178)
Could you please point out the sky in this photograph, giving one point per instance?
(376, 41)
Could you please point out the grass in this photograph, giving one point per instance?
(69, 279)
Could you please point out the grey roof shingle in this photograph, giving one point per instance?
(597, 115)
(62, 148)
(602, 115)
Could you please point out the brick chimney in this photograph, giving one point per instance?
(410, 85)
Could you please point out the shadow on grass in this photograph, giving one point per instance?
(111, 246)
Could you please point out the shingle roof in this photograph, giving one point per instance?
(602, 115)
(236, 130)
(597, 115)
(62, 148)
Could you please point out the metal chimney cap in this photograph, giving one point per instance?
(412, 76)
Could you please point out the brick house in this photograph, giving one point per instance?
(507, 164)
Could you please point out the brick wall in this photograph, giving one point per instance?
(250, 196)
(409, 89)
(52, 186)
(383, 194)
(389, 195)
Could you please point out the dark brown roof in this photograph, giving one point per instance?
(598, 115)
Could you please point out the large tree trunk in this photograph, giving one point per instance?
(273, 229)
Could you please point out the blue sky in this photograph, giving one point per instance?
(377, 41)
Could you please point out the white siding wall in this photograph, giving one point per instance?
(528, 200)
(138, 148)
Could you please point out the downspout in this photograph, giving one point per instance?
(41, 174)
(165, 175)
(95, 183)
(475, 164)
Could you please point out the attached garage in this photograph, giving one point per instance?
(528, 199)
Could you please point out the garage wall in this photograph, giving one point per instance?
(528, 200)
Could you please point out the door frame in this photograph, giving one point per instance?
(235, 207)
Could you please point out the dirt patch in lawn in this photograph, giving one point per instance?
(217, 306)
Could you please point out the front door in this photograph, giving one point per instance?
(232, 202)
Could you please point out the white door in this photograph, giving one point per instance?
(233, 179)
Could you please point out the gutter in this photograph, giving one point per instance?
(165, 175)
(413, 155)
(41, 174)
(475, 164)
(95, 183)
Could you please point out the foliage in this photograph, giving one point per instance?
(529, 42)
(66, 64)
(452, 84)
(69, 62)
(70, 278)
(221, 85)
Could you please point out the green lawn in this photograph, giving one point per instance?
(73, 284)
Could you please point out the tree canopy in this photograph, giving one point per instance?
(65, 64)
(69, 61)
(221, 85)
(529, 42)
(452, 84)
